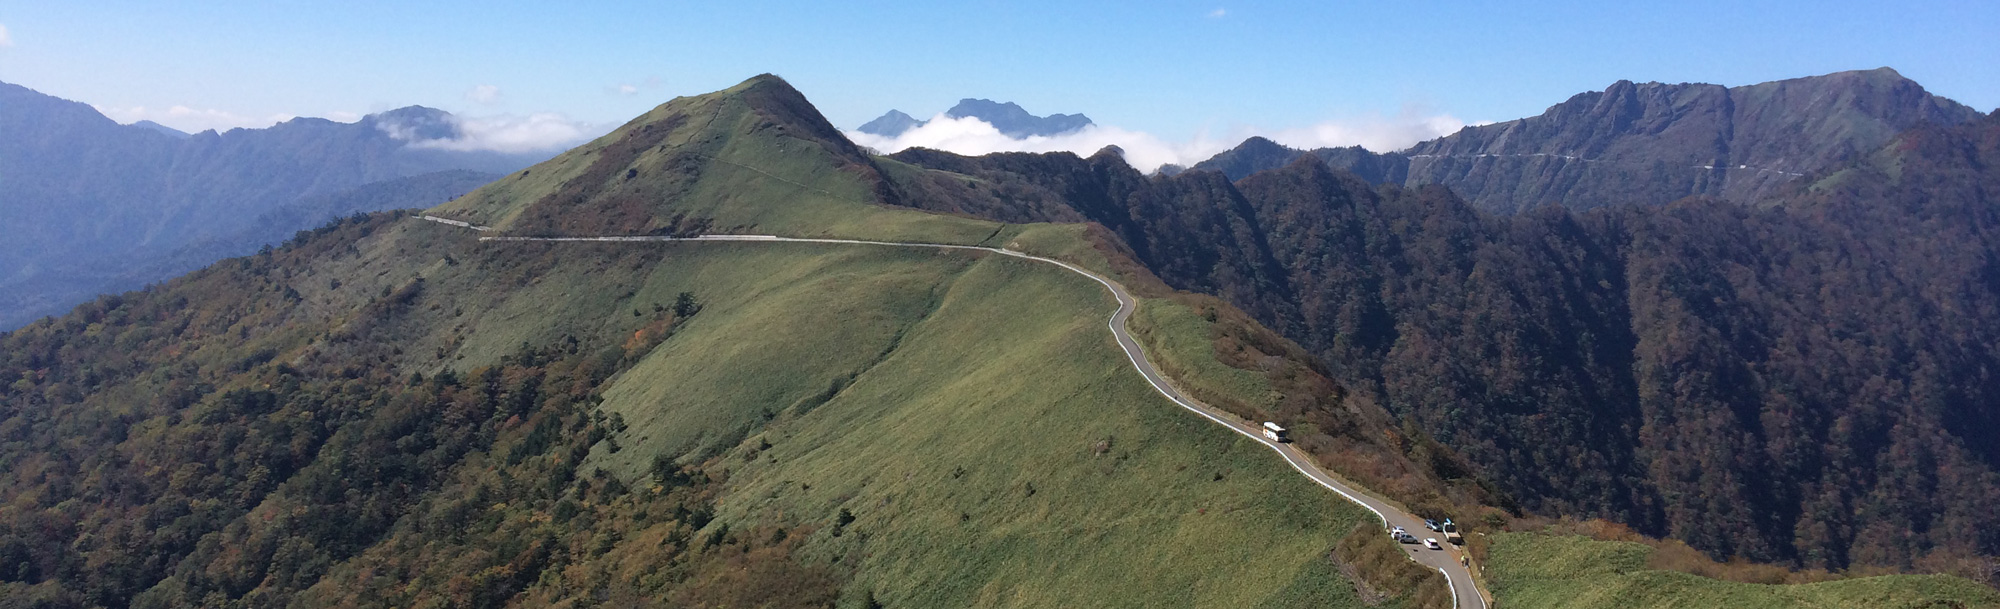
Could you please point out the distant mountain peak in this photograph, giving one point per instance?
(1015, 121)
(415, 124)
(890, 124)
(1010, 118)
(161, 129)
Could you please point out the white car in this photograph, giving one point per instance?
(1432, 543)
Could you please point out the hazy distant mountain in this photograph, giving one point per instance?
(1647, 144)
(890, 124)
(1008, 117)
(170, 131)
(87, 202)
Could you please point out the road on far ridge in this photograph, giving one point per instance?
(1465, 592)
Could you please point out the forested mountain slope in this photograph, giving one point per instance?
(89, 205)
(1807, 381)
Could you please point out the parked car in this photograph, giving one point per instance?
(1431, 524)
(1432, 543)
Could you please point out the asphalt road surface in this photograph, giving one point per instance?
(1465, 594)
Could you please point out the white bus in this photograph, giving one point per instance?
(1275, 433)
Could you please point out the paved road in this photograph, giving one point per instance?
(1465, 594)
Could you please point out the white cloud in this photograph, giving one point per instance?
(971, 136)
(1147, 152)
(1374, 132)
(628, 89)
(484, 94)
(192, 120)
(502, 133)
(6, 39)
(508, 133)
(1218, 13)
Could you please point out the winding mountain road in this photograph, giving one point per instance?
(1465, 593)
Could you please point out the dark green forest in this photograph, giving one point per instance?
(1812, 380)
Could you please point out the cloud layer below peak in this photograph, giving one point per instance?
(507, 133)
(1147, 152)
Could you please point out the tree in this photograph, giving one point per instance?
(685, 305)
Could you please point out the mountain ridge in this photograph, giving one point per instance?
(1009, 118)
(1647, 143)
(89, 201)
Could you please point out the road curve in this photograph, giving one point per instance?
(1465, 593)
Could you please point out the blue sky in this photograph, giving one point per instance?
(1177, 70)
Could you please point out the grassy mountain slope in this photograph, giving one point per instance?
(388, 412)
(1037, 515)
(991, 444)
(1535, 570)
(755, 155)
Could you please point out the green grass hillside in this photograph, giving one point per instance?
(1533, 570)
(752, 158)
(992, 445)
(968, 413)
(540, 424)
